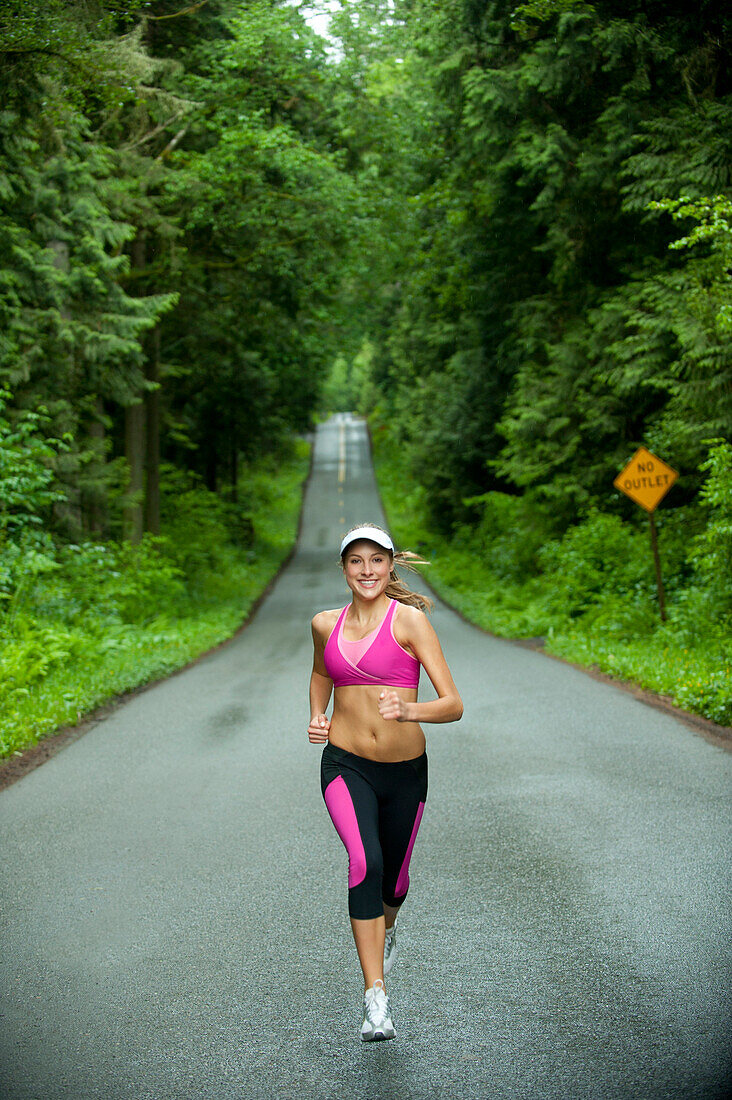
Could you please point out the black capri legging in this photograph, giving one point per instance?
(376, 808)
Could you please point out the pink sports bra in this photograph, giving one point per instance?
(376, 659)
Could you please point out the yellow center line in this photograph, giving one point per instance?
(341, 452)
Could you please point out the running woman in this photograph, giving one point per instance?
(374, 765)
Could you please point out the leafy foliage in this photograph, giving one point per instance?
(27, 489)
(502, 231)
(543, 327)
(97, 619)
(590, 596)
(562, 295)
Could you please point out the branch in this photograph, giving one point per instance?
(45, 51)
(292, 198)
(156, 131)
(174, 141)
(183, 11)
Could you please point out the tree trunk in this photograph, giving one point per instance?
(211, 463)
(96, 504)
(68, 513)
(152, 420)
(234, 471)
(135, 438)
(135, 455)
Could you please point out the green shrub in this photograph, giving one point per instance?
(615, 616)
(23, 561)
(711, 551)
(30, 654)
(595, 561)
(508, 534)
(81, 623)
(595, 602)
(195, 527)
(112, 582)
(27, 481)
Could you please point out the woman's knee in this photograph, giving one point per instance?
(364, 896)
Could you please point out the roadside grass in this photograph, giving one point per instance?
(688, 659)
(56, 668)
(697, 680)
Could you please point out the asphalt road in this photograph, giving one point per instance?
(174, 895)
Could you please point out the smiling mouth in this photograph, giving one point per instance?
(368, 584)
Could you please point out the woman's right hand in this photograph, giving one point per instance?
(318, 729)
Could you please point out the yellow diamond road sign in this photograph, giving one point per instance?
(646, 479)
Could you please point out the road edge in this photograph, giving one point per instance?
(721, 736)
(14, 768)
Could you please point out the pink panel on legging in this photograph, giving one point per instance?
(341, 809)
(402, 884)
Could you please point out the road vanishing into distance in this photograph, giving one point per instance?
(174, 922)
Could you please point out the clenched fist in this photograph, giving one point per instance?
(318, 729)
(393, 707)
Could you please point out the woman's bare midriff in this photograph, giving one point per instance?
(357, 726)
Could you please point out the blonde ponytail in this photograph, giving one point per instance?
(396, 589)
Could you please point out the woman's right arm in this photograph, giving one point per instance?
(321, 687)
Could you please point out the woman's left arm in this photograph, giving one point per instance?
(423, 641)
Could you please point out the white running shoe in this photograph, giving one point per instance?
(377, 1022)
(389, 948)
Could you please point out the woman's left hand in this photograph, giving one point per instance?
(393, 707)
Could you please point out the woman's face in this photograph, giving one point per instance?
(367, 567)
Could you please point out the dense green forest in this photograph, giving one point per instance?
(173, 221)
(557, 179)
(502, 232)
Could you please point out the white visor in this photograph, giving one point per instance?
(373, 534)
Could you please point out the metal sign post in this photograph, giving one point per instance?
(657, 563)
(646, 480)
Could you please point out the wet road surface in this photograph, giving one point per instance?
(174, 895)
